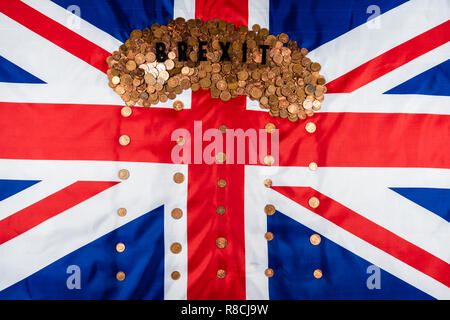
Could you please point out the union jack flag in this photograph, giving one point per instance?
(70, 228)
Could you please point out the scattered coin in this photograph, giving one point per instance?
(315, 239)
(268, 183)
(268, 236)
(269, 272)
(221, 242)
(175, 247)
(269, 209)
(317, 273)
(313, 202)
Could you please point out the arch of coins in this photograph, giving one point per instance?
(158, 63)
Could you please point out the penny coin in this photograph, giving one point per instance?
(269, 272)
(221, 242)
(126, 111)
(220, 273)
(178, 105)
(310, 127)
(268, 236)
(120, 275)
(124, 140)
(221, 183)
(317, 274)
(268, 183)
(121, 212)
(175, 247)
(124, 174)
(269, 127)
(312, 166)
(269, 160)
(120, 247)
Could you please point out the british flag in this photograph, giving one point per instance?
(381, 230)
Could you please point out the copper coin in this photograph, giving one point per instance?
(169, 64)
(268, 183)
(315, 239)
(221, 183)
(177, 213)
(317, 273)
(126, 111)
(115, 80)
(313, 202)
(312, 166)
(269, 272)
(221, 157)
(310, 127)
(269, 209)
(123, 174)
(120, 247)
(171, 55)
(131, 65)
(185, 71)
(221, 242)
(316, 105)
(225, 95)
(178, 177)
(220, 210)
(268, 236)
(307, 104)
(180, 141)
(293, 108)
(175, 275)
(315, 66)
(269, 127)
(175, 247)
(269, 160)
(120, 275)
(220, 273)
(124, 140)
(122, 212)
(221, 85)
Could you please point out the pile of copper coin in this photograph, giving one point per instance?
(288, 83)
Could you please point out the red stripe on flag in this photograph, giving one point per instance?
(371, 232)
(91, 132)
(28, 218)
(391, 60)
(204, 225)
(58, 34)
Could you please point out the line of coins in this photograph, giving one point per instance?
(288, 83)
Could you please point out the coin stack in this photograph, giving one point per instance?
(287, 82)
